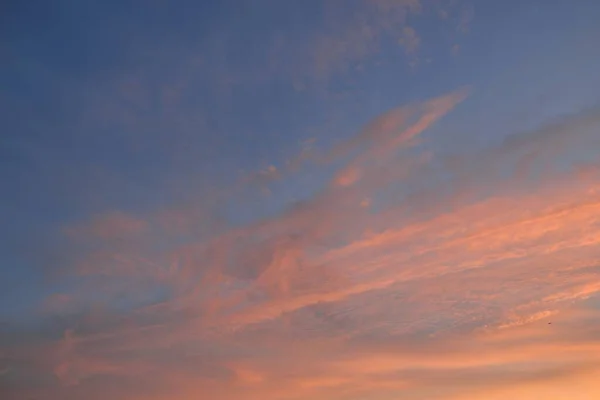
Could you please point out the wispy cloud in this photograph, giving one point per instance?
(471, 287)
(349, 38)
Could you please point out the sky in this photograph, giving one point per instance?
(292, 200)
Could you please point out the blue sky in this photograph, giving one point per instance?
(229, 118)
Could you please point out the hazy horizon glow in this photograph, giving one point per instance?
(325, 200)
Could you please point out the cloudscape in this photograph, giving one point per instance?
(294, 200)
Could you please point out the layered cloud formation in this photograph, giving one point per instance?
(380, 285)
(406, 256)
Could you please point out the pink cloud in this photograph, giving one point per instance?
(337, 297)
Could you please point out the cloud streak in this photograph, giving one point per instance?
(406, 268)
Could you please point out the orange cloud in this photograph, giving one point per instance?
(475, 289)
